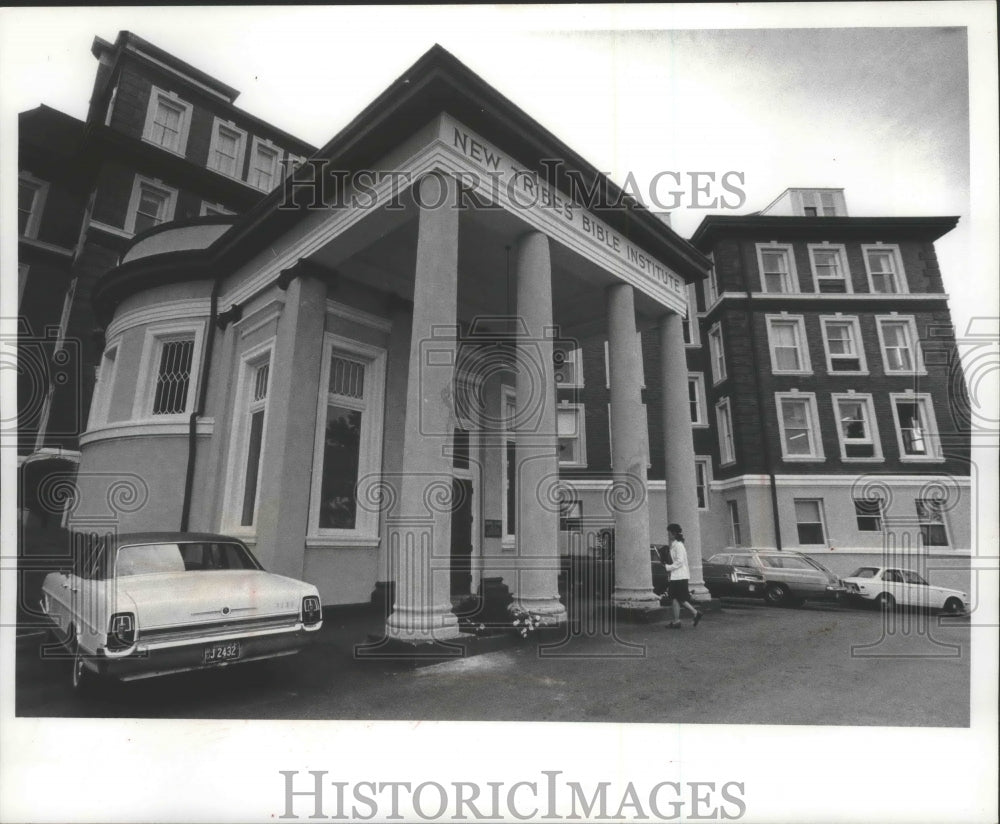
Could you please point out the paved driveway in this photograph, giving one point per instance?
(822, 664)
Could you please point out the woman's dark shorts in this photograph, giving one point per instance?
(678, 590)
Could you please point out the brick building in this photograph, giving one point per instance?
(162, 142)
(801, 403)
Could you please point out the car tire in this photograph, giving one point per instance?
(776, 595)
(954, 606)
(885, 602)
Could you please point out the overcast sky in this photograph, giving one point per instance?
(883, 113)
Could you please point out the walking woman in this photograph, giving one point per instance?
(677, 588)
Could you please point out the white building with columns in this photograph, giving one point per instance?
(359, 375)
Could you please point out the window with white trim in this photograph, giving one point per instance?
(225, 154)
(702, 479)
(571, 433)
(348, 438)
(884, 267)
(916, 427)
(857, 430)
(798, 421)
(689, 323)
(930, 515)
(31, 195)
(509, 501)
(735, 527)
(717, 353)
(819, 204)
(263, 171)
(173, 376)
(869, 512)
(100, 404)
(168, 377)
(829, 268)
(786, 337)
(897, 336)
(151, 204)
(810, 521)
(67, 308)
(168, 120)
(568, 365)
(696, 399)
(724, 425)
(249, 428)
(777, 268)
(214, 210)
(845, 353)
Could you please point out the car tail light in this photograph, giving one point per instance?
(312, 610)
(121, 631)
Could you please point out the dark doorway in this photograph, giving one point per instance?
(461, 537)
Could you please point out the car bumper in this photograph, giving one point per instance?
(150, 661)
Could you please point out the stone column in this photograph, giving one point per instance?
(536, 585)
(678, 446)
(286, 466)
(397, 369)
(628, 495)
(419, 527)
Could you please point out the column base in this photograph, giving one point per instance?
(635, 598)
(549, 610)
(419, 627)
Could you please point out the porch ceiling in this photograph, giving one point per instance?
(380, 252)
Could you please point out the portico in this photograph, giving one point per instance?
(407, 334)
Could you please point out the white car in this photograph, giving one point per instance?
(142, 605)
(888, 587)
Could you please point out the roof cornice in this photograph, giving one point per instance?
(774, 227)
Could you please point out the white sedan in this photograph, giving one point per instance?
(891, 586)
(142, 605)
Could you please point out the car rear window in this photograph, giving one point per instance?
(785, 562)
(864, 572)
(153, 559)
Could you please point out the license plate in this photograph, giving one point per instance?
(752, 588)
(229, 651)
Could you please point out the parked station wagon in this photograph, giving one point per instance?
(790, 577)
(143, 605)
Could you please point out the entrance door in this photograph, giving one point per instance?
(461, 537)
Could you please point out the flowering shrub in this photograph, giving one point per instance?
(524, 622)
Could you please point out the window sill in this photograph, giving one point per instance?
(339, 541)
(875, 459)
(117, 430)
(912, 459)
(846, 373)
(804, 458)
(178, 153)
(790, 374)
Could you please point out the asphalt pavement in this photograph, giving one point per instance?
(746, 664)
